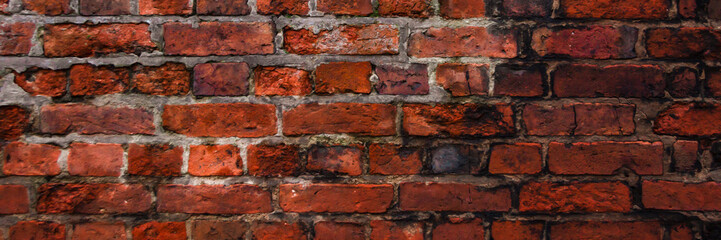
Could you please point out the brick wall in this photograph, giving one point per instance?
(360, 119)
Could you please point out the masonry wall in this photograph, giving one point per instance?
(360, 119)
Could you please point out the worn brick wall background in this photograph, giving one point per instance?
(360, 119)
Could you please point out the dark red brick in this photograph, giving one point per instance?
(16, 38)
(688, 8)
(36, 230)
(526, 8)
(339, 230)
(344, 198)
(101, 159)
(88, 119)
(665, 195)
(103, 198)
(685, 155)
(215, 160)
(48, 7)
(396, 230)
(228, 38)
(165, 80)
(155, 160)
(713, 82)
(160, 231)
(351, 118)
(345, 7)
(221, 119)
(579, 119)
(714, 9)
(389, 159)
(273, 160)
(31, 159)
(218, 230)
(456, 159)
(463, 79)
(632, 81)
(343, 77)
(683, 82)
(213, 199)
(518, 158)
(615, 9)
(221, 79)
(596, 42)
(458, 120)
(519, 80)
(456, 197)
(282, 81)
(72, 40)
(223, 7)
(165, 7)
(688, 42)
(104, 7)
(605, 158)
(336, 159)
(42, 82)
(86, 80)
(408, 80)
(98, 230)
(462, 8)
(15, 199)
(278, 230)
(461, 229)
(463, 42)
(575, 197)
(283, 7)
(517, 230)
(606, 230)
(681, 231)
(404, 8)
(14, 122)
(372, 39)
(689, 119)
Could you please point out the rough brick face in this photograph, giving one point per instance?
(282, 81)
(410, 80)
(575, 197)
(104, 7)
(526, 8)
(15, 199)
(345, 7)
(221, 120)
(215, 160)
(685, 155)
(155, 160)
(343, 77)
(609, 9)
(229, 38)
(404, 8)
(93, 231)
(223, 7)
(52, 7)
(213, 199)
(387, 230)
(102, 159)
(273, 160)
(30, 159)
(389, 159)
(278, 230)
(462, 8)
(684, 83)
(464, 41)
(343, 40)
(37, 230)
(579, 119)
(689, 42)
(16, 38)
(209, 230)
(517, 230)
(520, 81)
(335, 230)
(345, 198)
(88, 80)
(221, 79)
(13, 123)
(351, 118)
(463, 79)
(455, 197)
(165, 7)
(462, 230)
(606, 230)
(160, 231)
(689, 119)
(42, 82)
(666, 195)
(70, 40)
(596, 42)
(336, 159)
(87, 119)
(165, 80)
(59, 198)
(467, 120)
(631, 81)
(278, 7)
(520, 158)
(605, 158)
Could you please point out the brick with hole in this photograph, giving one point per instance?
(339, 230)
(282, 81)
(14, 123)
(16, 38)
(462, 80)
(213, 199)
(223, 7)
(220, 119)
(454, 197)
(685, 156)
(404, 8)
(215, 160)
(92, 40)
(628, 81)
(212, 230)
(668, 195)
(603, 230)
(517, 230)
(165, 7)
(37, 230)
(335, 198)
(160, 231)
(99, 230)
(458, 120)
(343, 160)
(605, 158)
(89, 80)
(612, 9)
(221, 79)
(399, 230)
(402, 80)
(345, 7)
(518, 158)
(520, 80)
(686, 42)
(43, 82)
(165, 80)
(155, 160)
(371, 39)
(228, 38)
(15, 199)
(690, 119)
(459, 229)
(100, 198)
(456, 9)
(594, 42)
(283, 7)
(391, 159)
(456, 159)
(575, 197)
(89, 120)
(365, 119)
(27, 159)
(97, 160)
(278, 230)
(273, 160)
(50, 8)
(463, 41)
(104, 7)
(343, 77)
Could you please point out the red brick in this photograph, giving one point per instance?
(606, 230)
(215, 160)
(615, 9)
(273, 160)
(31, 159)
(389, 159)
(165, 80)
(221, 79)
(633, 81)
(86, 80)
(713, 82)
(404, 8)
(88, 119)
(396, 230)
(456, 197)
(596, 42)
(283, 7)
(519, 80)
(372, 39)
(223, 7)
(687, 8)
(579, 119)
(42, 82)
(605, 158)
(351, 118)
(665, 195)
(681, 232)
(462, 8)
(685, 155)
(456, 159)
(155, 160)
(714, 9)
(104, 7)
(3, 5)
(517, 230)
(338, 230)
(688, 42)
(345, 198)
(71, 40)
(48, 7)
(213, 199)
(36, 230)
(15, 199)
(221, 119)
(16, 38)
(228, 38)
(160, 231)
(683, 82)
(103, 198)
(463, 79)
(165, 7)
(458, 120)
(102, 159)
(518, 158)
(527, 8)
(282, 81)
(345, 7)
(689, 119)
(278, 230)
(336, 159)
(213, 230)
(575, 197)
(94, 231)
(463, 42)
(463, 230)
(14, 122)
(408, 80)
(343, 77)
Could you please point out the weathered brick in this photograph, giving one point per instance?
(687, 8)
(463, 42)
(463, 79)
(48, 7)
(396, 230)
(14, 122)
(228, 38)
(689, 119)
(456, 197)
(213, 199)
(345, 198)
(606, 230)
(458, 120)
(99, 230)
(605, 158)
(214, 230)
(72, 40)
(459, 229)
(278, 230)
(455, 159)
(666, 195)
(155, 160)
(681, 231)
(687, 42)
(165, 7)
(389, 159)
(351, 118)
(615, 9)
(33, 230)
(101, 159)
(343, 77)
(633, 81)
(221, 79)
(345, 7)
(16, 38)
(31, 159)
(15, 199)
(404, 8)
(215, 160)
(519, 80)
(339, 230)
(165, 80)
(273, 160)
(283, 7)
(223, 7)
(714, 9)
(336, 159)
(596, 42)
(527, 8)
(575, 197)
(160, 231)
(517, 230)
(103, 198)
(579, 119)
(713, 82)
(685, 155)
(408, 80)
(86, 80)
(282, 81)
(104, 7)
(462, 8)
(372, 39)
(88, 119)
(3, 5)
(518, 158)
(683, 82)
(221, 119)
(42, 82)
